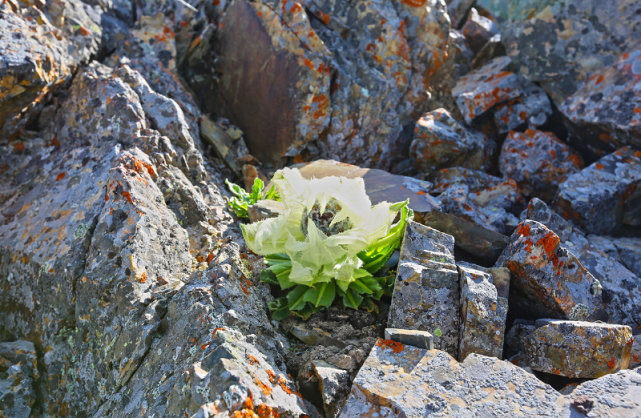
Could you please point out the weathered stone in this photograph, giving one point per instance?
(399, 380)
(477, 197)
(602, 112)
(532, 108)
(440, 141)
(606, 195)
(264, 209)
(561, 43)
(629, 253)
(457, 10)
(538, 161)
(493, 48)
(547, 279)
(426, 291)
(484, 88)
(578, 349)
(483, 311)
(614, 395)
(621, 288)
(538, 210)
(478, 30)
(224, 145)
(18, 375)
(419, 339)
(334, 386)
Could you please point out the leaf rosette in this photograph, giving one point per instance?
(329, 241)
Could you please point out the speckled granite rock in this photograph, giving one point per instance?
(478, 30)
(538, 161)
(426, 291)
(577, 349)
(127, 222)
(484, 304)
(399, 380)
(604, 196)
(440, 141)
(18, 375)
(592, 35)
(484, 88)
(605, 112)
(547, 279)
(532, 108)
(614, 395)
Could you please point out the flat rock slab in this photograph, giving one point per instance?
(399, 380)
(426, 291)
(419, 339)
(606, 195)
(547, 279)
(614, 395)
(483, 310)
(577, 349)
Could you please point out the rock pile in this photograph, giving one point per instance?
(513, 128)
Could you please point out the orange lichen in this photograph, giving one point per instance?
(18, 147)
(143, 278)
(252, 360)
(612, 363)
(272, 376)
(213, 334)
(127, 196)
(524, 230)
(393, 345)
(556, 371)
(266, 389)
(55, 142)
(61, 176)
(599, 166)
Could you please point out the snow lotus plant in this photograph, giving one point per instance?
(329, 241)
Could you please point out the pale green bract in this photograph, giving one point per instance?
(317, 257)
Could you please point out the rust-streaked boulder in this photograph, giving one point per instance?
(547, 279)
(577, 349)
(538, 161)
(440, 141)
(605, 112)
(426, 290)
(398, 380)
(605, 196)
(561, 43)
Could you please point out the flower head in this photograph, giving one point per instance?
(327, 222)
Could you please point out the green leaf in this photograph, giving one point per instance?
(306, 312)
(268, 276)
(322, 294)
(369, 305)
(438, 332)
(272, 194)
(359, 287)
(295, 298)
(351, 299)
(279, 309)
(257, 190)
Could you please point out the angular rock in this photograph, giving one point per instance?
(605, 112)
(621, 288)
(483, 311)
(629, 253)
(224, 145)
(538, 161)
(605, 196)
(614, 395)
(547, 279)
(18, 375)
(399, 380)
(478, 30)
(426, 291)
(561, 43)
(538, 210)
(477, 197)
(578, 349)
(457, 10)
(532, 108)
(493, 48)
(334, 386)
(440, 142)
(486, 87)
(419, 339)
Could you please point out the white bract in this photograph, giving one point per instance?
(327, 222)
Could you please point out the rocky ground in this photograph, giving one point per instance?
(514, 128)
